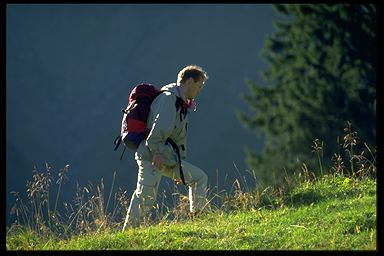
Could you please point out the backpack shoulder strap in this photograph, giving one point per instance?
(180, 103)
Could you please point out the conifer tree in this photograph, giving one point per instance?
(321, 73)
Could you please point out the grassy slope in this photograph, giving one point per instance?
(333, 213)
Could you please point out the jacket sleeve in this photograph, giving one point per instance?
(163, 114)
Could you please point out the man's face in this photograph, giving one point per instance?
(194, 88)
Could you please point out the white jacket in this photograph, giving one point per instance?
(164, 122)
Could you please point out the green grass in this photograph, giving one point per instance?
(332, 212)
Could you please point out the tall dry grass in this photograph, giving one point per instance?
(93, 209)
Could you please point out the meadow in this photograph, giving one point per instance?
(335, 210)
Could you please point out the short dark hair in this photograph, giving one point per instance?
(194, 71)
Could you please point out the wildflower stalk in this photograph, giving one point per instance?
(77, 213)
(60, 181)
(57, 198)
(321, 167)
(318, 147)
(49, 217)
(110, 192)
(351, 158)
(350, 140)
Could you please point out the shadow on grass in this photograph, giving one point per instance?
(303, 198)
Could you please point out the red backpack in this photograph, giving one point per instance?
(134, 122)
(135, 115)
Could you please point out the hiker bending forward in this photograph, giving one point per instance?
(157, 155)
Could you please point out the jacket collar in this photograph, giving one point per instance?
(175, 89)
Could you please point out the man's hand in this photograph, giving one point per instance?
(158, 161)
(178, 181)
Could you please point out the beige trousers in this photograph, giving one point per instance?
(148, 181)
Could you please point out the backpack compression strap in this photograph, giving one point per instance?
(176, 148)
(117, 143)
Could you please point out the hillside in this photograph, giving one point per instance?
(333, 212)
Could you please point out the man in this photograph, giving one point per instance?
(165, 147)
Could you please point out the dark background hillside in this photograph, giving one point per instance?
(69, 69)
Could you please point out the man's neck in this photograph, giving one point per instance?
(181, 91)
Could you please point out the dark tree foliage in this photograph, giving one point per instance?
(321, 74)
